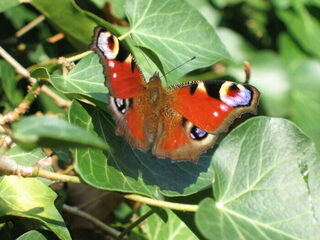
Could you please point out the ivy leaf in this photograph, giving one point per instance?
(171, 227)
(261, 191)
(85, 79)
(303, 26)
(79, 32)
(307, 116)
(33, 234)
(46, 131)
(30, 198)
(8, 82)
(176, 32)
(125, 169)
(29, 158)
(6, 4)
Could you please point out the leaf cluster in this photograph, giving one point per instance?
(261, 181)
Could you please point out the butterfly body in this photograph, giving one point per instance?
(179, 122)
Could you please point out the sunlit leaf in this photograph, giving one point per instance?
(30, 198)
(6, 4)
(86, 79)
(261, 191)
(176, 32)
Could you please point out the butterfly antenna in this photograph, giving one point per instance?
(189, 60)
(246, 66)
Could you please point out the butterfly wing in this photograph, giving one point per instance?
(202, 111)
(125, 83)
(213, 105)
(175, 140)
(122, 76)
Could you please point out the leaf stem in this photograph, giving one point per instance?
(78, 56)
(134, 224)
(24, 72)
(162, 204)
(125, 35)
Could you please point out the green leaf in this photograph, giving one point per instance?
(28, 158)
(272, 80)
(20, 15)
(260, 190)
(304, 27)
(305, 98)
(6, 4)
(31, 132)
(172, 227)
(41, 73)
(268, 73)
(290, 52)
(30, 198)
(32, 235)
(8, 81)
(86, 79)
(62, 14)
(126, 169)
(176, 32)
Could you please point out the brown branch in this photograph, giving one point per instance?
(23, 107)
(24, 72)
(97, 222)
(30, 25)
(9, 167)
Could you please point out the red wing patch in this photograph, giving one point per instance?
(202, 110)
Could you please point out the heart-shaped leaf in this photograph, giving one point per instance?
(266, 184)
(176, 32)
(85, 79)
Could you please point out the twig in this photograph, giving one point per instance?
(134, 224)
(38, 172)
(97, 222)
(24, 72)
(9, 167)
(30, 25)
(55, 38)
(23, 107)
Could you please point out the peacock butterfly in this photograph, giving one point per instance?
(179, 122)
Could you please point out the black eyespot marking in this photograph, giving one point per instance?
(133, 65)
(213, 88)
(123, 53)
(193, 88)
(197, 133)
(110, 42)
(121, 105)
(234, 87)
